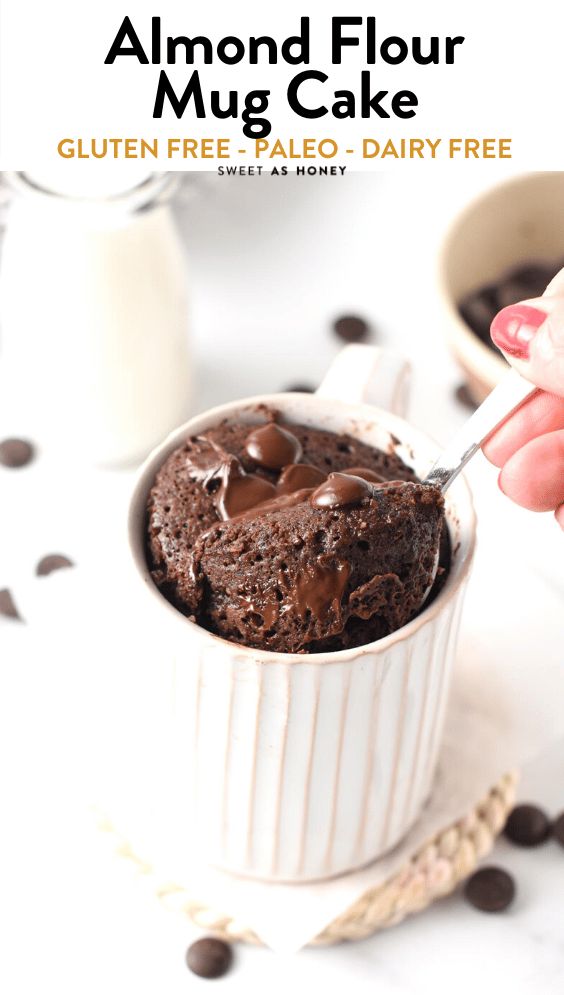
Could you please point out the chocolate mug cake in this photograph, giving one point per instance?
(293, 539)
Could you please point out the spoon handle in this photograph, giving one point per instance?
(511, 392)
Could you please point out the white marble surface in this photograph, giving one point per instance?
(272, 261)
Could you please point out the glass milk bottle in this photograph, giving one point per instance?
(93, 313)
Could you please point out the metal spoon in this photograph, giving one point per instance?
(512, 392)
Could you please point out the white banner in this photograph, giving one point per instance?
(177, 85)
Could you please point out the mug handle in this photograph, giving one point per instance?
(367, 374)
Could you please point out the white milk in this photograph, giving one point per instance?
(93, 311)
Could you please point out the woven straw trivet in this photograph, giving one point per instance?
(432, 872)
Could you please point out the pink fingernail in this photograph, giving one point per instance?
(514, 328)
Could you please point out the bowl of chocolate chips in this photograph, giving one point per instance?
(505, 247)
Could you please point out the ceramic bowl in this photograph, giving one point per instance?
(512, 223)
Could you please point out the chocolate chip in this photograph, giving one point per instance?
(464, 396)
(209, 957)
(491, 889)
(524, 282)
(341, 490)
(7, 605)
(55, 561)
(558, 829)
(478, 310)
(351, 329)
(272, 446)
(15, 453)
(300, 388)
(527, 825)
(534, 276)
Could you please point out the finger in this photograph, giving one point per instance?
(534, 476)
(559, 516)
(531, 335)
(541, 414)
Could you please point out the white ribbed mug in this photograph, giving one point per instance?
(293, 767)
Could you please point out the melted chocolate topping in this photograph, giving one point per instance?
(240, 493)
(340, 490)
(276, 503)
(367, 474)
(296, 476)
(237, 494)
(273, 447)
(232, 490)
(320, 590)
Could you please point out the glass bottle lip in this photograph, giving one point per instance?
(153, 190)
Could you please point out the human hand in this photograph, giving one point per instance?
(529, 447)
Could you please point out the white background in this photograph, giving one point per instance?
(505, 82)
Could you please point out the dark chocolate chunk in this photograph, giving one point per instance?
(464, 396)
(272, 446)
(527, 825)
(340, 490)
(297, 476)
(300, 388)
(55, 561)
(512, 292)
(534, 276)
(558, 829)
(209, 957)
(15, 453)
(366, 473)
(243, 492)
(478, 310)
(491, 889)
(223, 477)
(524, 283)
(7, 605)
(351, 328)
